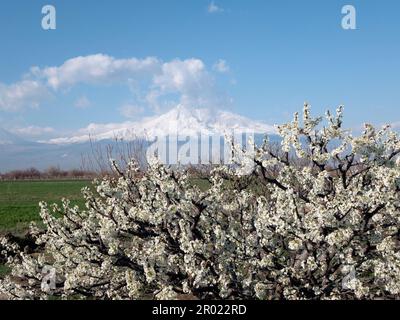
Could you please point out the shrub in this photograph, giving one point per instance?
(325, 226)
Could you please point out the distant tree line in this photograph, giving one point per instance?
(49, 173)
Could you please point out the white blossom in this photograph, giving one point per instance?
(289, 228)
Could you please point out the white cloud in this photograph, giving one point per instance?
(33, 131)
(190, 81)
(213, 8)
(154, 84)
(23, 94)
(180, 75)
(82, 102)
(96, 69)
(221, 66)
(131, 111)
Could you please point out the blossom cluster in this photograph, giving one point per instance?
(316, 218)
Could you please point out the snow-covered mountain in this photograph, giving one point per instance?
(180, 120)
(66, 152)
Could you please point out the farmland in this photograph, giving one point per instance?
(19, 200)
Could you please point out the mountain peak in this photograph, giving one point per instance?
(180, 120)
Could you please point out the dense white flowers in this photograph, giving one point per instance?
(317, 218)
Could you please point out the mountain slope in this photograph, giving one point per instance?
(180, 120)
(17, 153)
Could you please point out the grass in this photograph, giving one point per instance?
(4, 270)
(19, 203)
(19, 200)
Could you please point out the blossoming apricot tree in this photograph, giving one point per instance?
(317, 219)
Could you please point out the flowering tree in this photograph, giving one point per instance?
(317, 218)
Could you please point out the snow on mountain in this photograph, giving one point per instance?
(17, 153)
(180, 120)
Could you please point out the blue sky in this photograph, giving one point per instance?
(261, 59)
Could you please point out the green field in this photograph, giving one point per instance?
(19, 200)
